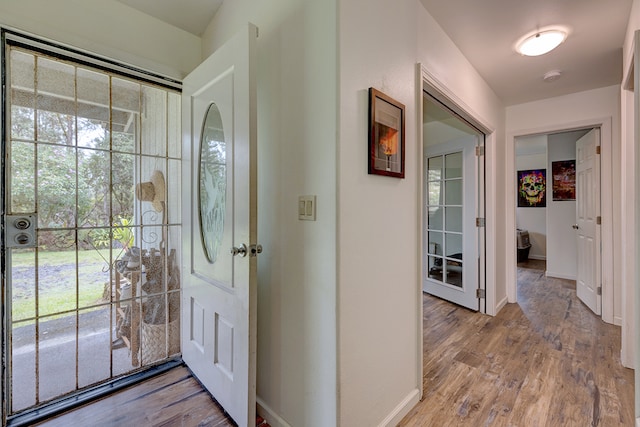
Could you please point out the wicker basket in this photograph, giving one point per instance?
(153, 339)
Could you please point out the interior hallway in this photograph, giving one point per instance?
(546, 361)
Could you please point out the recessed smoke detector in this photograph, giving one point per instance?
(551, 76)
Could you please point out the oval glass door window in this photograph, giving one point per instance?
(213, 182)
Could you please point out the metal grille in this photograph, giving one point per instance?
(96, 157)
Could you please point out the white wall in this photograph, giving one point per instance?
(562, 251)
(531, 153)
(379, 354)
(297, 98)
(108, 28)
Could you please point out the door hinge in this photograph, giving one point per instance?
(479, 150)
(480, 222)
(599, 220)
(481, 293)
(597, 149)
(599, 290)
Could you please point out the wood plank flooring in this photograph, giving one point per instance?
(546, 361)
(174, 398)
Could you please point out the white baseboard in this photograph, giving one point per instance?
(538, 257)
(637, 422)
(402, 409)
(617, 320)
(269, 415)
(501, 304)
(559, 275)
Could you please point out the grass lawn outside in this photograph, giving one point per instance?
(63, 283)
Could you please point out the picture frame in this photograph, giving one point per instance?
(532, 188)
(386, 135)
(564, 180)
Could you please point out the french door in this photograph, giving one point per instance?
(91, 213)
(453, 212)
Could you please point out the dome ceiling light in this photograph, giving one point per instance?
(541, 42)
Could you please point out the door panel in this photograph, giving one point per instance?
(219, 210)
(587, 211)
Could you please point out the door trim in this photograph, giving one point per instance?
(606, 202)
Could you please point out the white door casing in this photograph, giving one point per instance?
(587, 227)
(219, 288)
(466, 294)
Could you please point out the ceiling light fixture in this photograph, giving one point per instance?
(541, 42)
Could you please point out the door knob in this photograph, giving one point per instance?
(575, 226)
(242, 250)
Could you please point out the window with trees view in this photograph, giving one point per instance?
(96, 155)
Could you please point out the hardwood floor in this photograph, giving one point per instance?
(171, 399)
(546, 361)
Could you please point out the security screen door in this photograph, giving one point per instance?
(453, 185)
(91, 219)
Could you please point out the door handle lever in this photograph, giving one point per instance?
(242, 250)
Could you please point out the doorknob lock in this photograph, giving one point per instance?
(242, 250)
(575, 226)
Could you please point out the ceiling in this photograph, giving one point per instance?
(486, 32)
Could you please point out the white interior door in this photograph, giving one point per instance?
(219, 216)
(587, 227)
(451, 243)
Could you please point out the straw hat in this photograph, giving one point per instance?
(152, 191)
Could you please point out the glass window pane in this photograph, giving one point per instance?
(94, 346)
(174, 127)
(453, 273)
(435, 243)
(435, 193)
(125, 114)
(56, 186)
(453, 192)
(23, 366)
(23, 184)
(453, 165)
(453, 245)
(23, 284)
(93, 271)
(453, 219)
(22, 95)
(153, 122)
(94, 201)
(434, 265)
(122, 187)
(434, 168)
(434, 218)
(93, 109)
(56, 271)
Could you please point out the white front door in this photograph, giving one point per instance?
(451, 236)
(587, 227)
(219, 217)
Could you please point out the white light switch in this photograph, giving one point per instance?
(307, 208)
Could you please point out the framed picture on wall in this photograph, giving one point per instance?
(563, 180)
(532, 188)
(386, 135)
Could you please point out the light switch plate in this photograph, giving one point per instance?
(307, 208)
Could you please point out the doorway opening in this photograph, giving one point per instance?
(91, 209)
(454, 232)
(558, 208)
